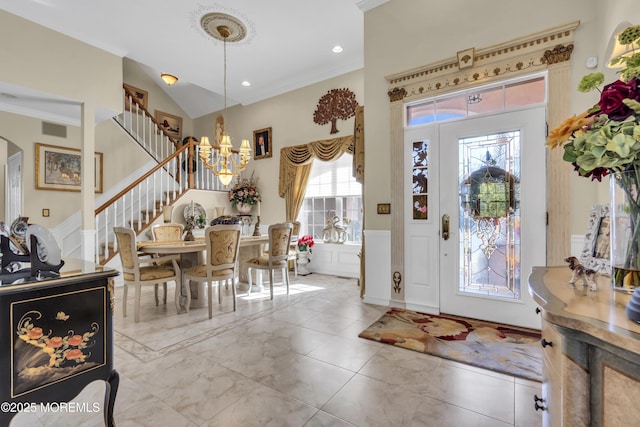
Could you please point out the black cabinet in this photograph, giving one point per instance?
(56, 336)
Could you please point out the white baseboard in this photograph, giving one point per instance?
(378, 265)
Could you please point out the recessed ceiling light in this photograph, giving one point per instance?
(246, 83)
(337, 49)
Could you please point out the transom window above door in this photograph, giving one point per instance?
(505, 96)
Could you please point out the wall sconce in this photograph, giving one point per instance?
(167, 211)
(169, 79)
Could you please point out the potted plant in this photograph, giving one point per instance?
(604, 140)
(305, 243)
(244, 195)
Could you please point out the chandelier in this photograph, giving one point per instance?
(220, 159)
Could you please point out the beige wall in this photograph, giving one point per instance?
(158, 98)
(56, 64)
(120, 158)
(42, 59)
(291, 118)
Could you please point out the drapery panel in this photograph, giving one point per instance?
(295, 167)
(358, 146)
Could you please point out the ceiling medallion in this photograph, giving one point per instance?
(212, 21)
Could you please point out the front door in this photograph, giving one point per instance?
(476, 220)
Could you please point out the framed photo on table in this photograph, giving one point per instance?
(171, 124)
(596, 252)
(59, 168)
(262, 147)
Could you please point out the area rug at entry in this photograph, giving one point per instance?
(506, 349)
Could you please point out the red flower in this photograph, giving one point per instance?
(74, 354)
(54, 342)
(612, 96)
(35, 333)
(75, 340)
(305, 242)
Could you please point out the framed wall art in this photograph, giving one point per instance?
(596, 253)
(262, 147)
(140, 96)
(171, 124)
(60, 168)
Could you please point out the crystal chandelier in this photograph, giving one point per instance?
(220, 159)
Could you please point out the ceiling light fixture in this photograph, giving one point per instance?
(337, 49)
(246, 83)
(219, 159)
(169, 79)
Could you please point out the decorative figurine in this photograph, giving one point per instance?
(580, 272)
(191, 223)
(256, 230)
(334, 233)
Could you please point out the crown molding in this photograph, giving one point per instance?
(367, 5)
(518, 56)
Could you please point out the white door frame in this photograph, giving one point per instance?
(13, 190)
(431, 264)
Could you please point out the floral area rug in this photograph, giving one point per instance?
(507, 349)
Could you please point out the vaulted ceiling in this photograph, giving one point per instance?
(288, 43)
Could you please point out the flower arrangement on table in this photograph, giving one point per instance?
(605, 140)
(245, 192)
(305, 243)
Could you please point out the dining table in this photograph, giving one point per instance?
(192, 253)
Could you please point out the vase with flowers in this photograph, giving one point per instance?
(305, 243)
(605, 140)
(245, 195)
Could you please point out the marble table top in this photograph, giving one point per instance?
(601, 313)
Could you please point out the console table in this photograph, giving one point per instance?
(591, 358)
(56, 336)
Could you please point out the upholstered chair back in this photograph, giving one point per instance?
(165, 232)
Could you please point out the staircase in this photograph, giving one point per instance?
(141, 202)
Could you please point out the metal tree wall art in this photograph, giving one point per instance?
(336, 104)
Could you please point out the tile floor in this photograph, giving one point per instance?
(296, 361)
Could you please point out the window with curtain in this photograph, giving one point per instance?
(332, 192)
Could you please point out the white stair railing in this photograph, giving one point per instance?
(140, 203)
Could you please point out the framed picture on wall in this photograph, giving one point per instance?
(262, 144)
(137, 95)
(59, 168)
(171, 124)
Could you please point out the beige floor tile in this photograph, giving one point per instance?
(364, 401)
(264, 407)
(309, 380)
(345, 352)
(295, 361)
(322, 419)
(151, 412)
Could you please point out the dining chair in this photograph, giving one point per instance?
(169, 231)
(137, 274)
(276, 259)
(293, 247)
(222, 247)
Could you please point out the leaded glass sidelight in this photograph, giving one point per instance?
(420, 188)
(489, 176)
